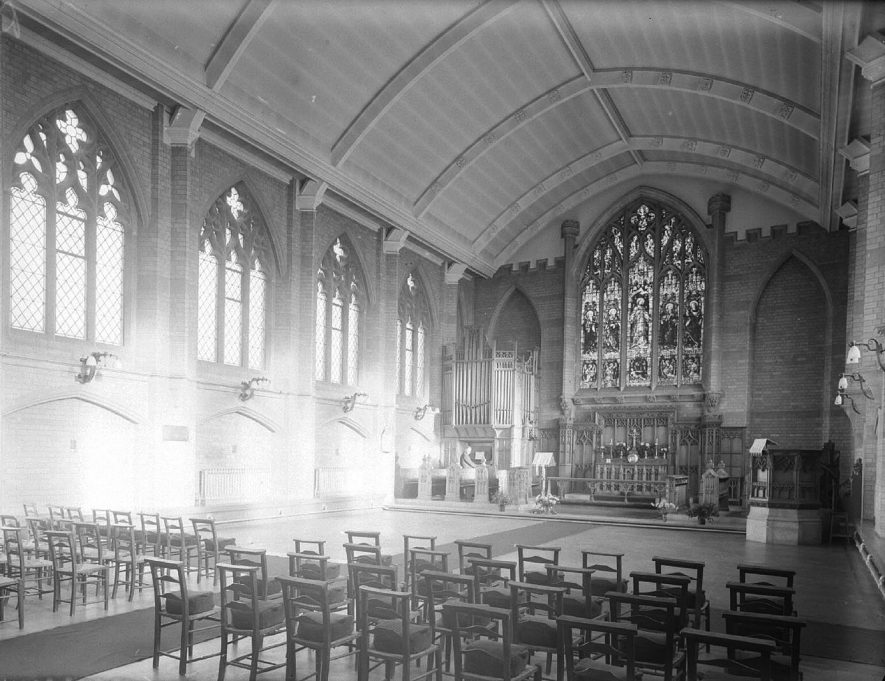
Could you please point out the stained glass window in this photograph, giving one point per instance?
(340, 303)
(68, 215)
(413, 320)
(642, 302)
(233, 282)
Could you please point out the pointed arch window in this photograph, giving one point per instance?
(233, 283)
(642, 302)
(340, 302)
(412, 326)
(68, 215)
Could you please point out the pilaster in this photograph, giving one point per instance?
(718, 206)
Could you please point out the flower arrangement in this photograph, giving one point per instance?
(544, 503)
(703, 512)
(501, 499)
(664, 507)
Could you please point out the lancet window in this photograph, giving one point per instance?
(642, 302)
(68, 216)
(340, 300)
(412, 329)
(234, 259)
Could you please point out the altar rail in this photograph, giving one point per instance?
(608, 487)
(232, 485)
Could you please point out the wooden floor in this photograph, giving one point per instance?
(835, 588)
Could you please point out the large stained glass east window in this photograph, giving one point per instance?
(234, 257)
(642, 302)
(412, 327)
(339, 306)
(68, 212)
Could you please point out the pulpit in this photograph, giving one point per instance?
(784, 495)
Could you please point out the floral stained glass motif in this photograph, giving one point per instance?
(340, 305)
(65, 192)
(233, 282)
(642, 310)
(413, 316)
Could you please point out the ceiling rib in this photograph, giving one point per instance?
(570, 38)
(786, 177)
(777, 17)
(560, 94)
(235, 41)
(412, 72)
(777, 194)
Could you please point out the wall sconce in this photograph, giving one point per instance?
(853, 356)
(247, 388)
(843, 384)
(840, 399)
(94, 361)
(348, 402)
(420, 412)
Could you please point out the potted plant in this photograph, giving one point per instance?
(501, 499)
(703, 512)
(664, 507)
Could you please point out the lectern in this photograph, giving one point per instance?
(784, 495)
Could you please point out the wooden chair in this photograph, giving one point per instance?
(784, 631)
(313, 547)
(414, 541)
(74, 513)
(421, 560)
(209, 547)
(694, 570)
(765, 575)
(694, 638)
(483, 647)
(193, 612)
(395, 640)
(313, 622)
(493, 579)
(126, 559)
(535, 609)
(56, 515)
(180, 544)
(578, 600)
(37, 546)
(22, 563)
(151, 538)
(666, 586)
(537, 557)
(105, 519)
(656, 648)
(314, 567)
(67, 568)
(10, 586)
(608, 571)
(468, 550)
(382, 577)
(268, 587)
(596, 649)
(760, 598)
(359, 554)
(368, 538)
(31, 510)
(244, 614)
(445, 588)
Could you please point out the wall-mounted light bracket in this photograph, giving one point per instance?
(853, 356)
(91, 363)
(840, 400)
(420, 412)
(843, 384)
(247, 388)
(348, 402)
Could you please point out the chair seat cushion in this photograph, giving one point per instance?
(337, 593)
(537, 578)
(389, 637)
(314, 571)
(310, 626)
(497, 598)
(537, 630)
(265, 589)
(595, 670)
(651, 647)
(577, 606)
(270, 613)
(197, 602)
(486, 657)
(219, 544)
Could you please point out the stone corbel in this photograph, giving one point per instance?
(310, 195)
(870, 56)
(394, 240)
(848, 213)
(183, 127)
(455, 272)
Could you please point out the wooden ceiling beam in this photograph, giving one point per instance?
(235, 41)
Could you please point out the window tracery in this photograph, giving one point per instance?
(339, 304)
(413, 323)
(232, 288)
(642, 302)
(68, 215)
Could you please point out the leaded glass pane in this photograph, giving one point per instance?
(668, 328)
(233, 314)
(320, 335)
(70, 270)
(257, 296)
(612, 336)
(27, 257)
(589, 334)
(407, 363)
(353, 340)
(419, 362)
(336, 350)
(109, 278)
(207, 307)
(639, 329)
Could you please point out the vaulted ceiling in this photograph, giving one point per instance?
(476, 126)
